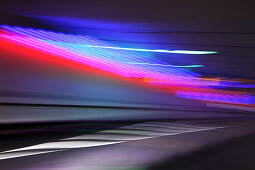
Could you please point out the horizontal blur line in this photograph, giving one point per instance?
(233, 56)
(154, 32)
(38, 95)
(192, 32)
(45, 106)
(94, 140)
(22, 94)
(205, 45)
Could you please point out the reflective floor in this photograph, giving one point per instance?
(117, 145)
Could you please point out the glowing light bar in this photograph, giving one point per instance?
(192, 52)
(245, 99)
(165, 65)
(157, 51)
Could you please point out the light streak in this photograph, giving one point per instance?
(106, 137)
(157, 50)
(165, 65)
(246, 99)
(129, 63)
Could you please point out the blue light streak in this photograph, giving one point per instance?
(75, 44)
(127, 62)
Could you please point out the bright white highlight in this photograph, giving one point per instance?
(65, 145)
(123, 134)
(163, 65)
(24, 153)
(158, 50)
